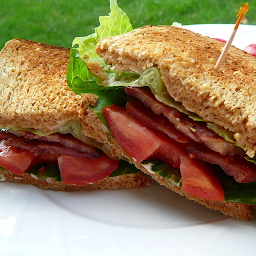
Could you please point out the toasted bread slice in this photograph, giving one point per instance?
(34, 92)
(34, 95)
(186, 61)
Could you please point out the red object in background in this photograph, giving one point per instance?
(251, 49)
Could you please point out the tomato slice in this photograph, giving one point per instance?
(170, 151)
(160, 123)
(199, 179)
(82, 171)
(15, 160)
(134, 137)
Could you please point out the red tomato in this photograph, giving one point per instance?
(15, 160)
(221, 40)
(199, 179)
(169, 151)
(251, 49)
(82, 171)
(134, 137)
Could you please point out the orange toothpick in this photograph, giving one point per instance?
(241, 12)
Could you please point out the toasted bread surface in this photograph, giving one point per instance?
(34, 93)
(187, 60)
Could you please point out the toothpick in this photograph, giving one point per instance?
(241, 12)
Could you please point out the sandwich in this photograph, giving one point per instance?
(49, 136)
(190, 128)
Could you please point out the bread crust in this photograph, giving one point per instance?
(134, 180)
(187, 60)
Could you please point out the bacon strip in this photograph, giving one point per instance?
(197, 131)
(203, 143)
(41, 147)
(67, 140)
(157, 122)
(242, 170)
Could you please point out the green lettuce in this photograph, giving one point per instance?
(80, 80)
(171, 175)
(152, 79)
(44, 171)
(124, 168)
(237, 192)
(117, 23)
(73, 127)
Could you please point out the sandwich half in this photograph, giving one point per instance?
(49, 136)
(181, 112)
(173, 116)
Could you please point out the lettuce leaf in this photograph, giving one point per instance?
(152, 79)
(80, 80)
(171, 175)
(235, 192)
(124, 168)
(44, 171)
(117, 23)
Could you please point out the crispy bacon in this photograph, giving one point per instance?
(157, 122)
(203, 143)
(197, 131)
(67, 140)
(242, 170)
(41, 147)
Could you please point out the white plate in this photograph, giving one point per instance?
(149, 221)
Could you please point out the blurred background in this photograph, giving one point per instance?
(58, 22)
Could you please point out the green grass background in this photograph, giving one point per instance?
(58, 22)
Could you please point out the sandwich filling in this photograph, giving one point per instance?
(61, 157)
